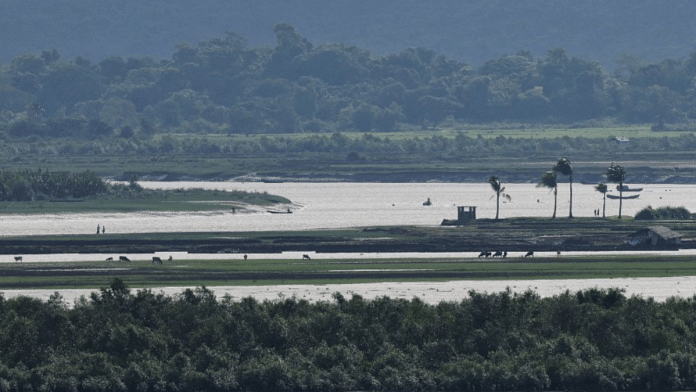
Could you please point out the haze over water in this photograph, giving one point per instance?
(340, 205)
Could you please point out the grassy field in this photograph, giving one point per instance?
(539, 147)
(194, 200)
(237, 271)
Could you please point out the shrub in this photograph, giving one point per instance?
(649, 213)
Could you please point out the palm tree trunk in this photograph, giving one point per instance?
(570, 214)
(497, 205)
(620, 197)
(555, 201)
(604, 206)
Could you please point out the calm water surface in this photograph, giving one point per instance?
(340, 205)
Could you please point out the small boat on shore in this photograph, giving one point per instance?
(289, 211)
(611, 196)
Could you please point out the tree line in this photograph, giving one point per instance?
(224, 86)
(27, 185)
(117, 339)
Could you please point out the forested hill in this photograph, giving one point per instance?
(471, 31)
(223, 85)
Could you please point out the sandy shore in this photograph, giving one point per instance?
(430, 292)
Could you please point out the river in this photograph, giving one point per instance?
(340, 205)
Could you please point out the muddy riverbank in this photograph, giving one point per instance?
(511, 235)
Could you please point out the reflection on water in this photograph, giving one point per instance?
(337, 205)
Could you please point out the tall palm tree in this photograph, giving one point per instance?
(563, 166)
(499, 190)
(617, 174)
(548, 180)
(602, 188)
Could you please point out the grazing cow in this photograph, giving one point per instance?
(109, 259)
(156, 260)
(306, 257)
(529, 254)
(245, 257)
(498, 254)
(123, 258)
(170, 258)
(18, 258)
(558, 253)
(485, 253)
(505, 254)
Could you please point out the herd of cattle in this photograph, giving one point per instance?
(158, 260)
(155, 259)
(503, 254)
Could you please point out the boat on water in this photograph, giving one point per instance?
(427, 202)
(289, 211)
(611, 196)
(626, 188)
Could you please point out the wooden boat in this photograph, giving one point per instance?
(626, 188)
(289, 211)
(610, 196)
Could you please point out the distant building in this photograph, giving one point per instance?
(466, 214)
(657, 236)
(620, 139)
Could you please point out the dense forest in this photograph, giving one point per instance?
(224, 86)
(472, 31)
(118, 340)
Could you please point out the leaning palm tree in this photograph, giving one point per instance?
(617, 174)
(499, 190)
(602, 188)
(548, 180)
(563, 166)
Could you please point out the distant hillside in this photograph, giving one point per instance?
(472, 31)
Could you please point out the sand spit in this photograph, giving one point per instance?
(430, 292)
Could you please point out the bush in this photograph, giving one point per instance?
(649, 213)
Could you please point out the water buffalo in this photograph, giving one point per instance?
(529, 254)
(18, 258)
(485, 253)
(156, 260)
(123, 258)
(306, 257)
(498, 254)
(109, 259)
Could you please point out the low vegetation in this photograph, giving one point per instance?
(41, 191)
(118, 339)
(236, 270)
(667, 213)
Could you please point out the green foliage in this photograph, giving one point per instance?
(121, 339)
(223, 86)
(26, 185)
(649, 213)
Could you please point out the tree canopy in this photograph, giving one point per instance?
(222, 85)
